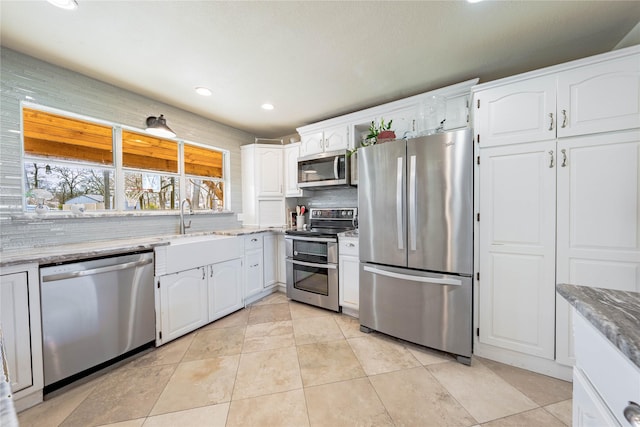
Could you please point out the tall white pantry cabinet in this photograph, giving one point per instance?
(558, 201)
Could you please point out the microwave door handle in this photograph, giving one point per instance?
(413, 214)
(399, 216)
(336, 160)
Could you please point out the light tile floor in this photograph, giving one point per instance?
(281, 363)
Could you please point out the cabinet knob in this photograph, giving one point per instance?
(632, 414)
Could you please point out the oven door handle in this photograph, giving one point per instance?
(312, 239)
(312, 264)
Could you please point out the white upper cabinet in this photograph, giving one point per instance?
(336, 138)
(291, 154)
(600, 97)
(516, 113)
(330, 139)
(584, 99)
(312, 143)
(269, 171)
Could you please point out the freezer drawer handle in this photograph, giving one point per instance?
(401, 276)
(81, 273)
(313, 264)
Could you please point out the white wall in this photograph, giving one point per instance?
(46, 84)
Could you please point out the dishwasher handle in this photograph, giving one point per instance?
(81, 273)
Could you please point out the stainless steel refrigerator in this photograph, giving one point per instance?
(415, 206)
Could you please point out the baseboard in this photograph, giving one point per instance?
(530, 363)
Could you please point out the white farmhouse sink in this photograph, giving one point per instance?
(187, 252)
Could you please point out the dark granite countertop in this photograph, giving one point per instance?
(616, 314)
(76, 251)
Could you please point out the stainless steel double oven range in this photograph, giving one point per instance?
(312, 257)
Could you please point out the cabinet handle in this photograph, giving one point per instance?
(550, 158)
(254, 240)
(564, 158)
(351, 245)
(211, 271)
(550, 121)
(204, 275)
(632, 414)
(564, 118)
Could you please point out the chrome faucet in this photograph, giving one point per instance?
(184, 226)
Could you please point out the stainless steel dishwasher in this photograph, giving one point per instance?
(94, 311)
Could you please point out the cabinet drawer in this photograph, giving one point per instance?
(253, 241)
(348, 246)
(614, 377)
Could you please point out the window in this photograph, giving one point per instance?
(143, 157)
(204, 171)
(74, 161)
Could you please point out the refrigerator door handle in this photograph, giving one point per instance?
(413, 237)
(454, 282)
(399, 216)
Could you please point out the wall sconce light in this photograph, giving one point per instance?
(158, 126)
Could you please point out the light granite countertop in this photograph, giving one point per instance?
(616, 314)
(77, 251)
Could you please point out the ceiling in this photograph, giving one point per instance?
(311, 60)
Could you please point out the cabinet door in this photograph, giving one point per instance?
(270, 253)
(183, 303)
(599, 98)
(271, 212)
(349, 270)
(312, 143)
(225, 288)
(291, 154)
(588, 408)
(517, 248)
(598, 219)
(253, 273)
(457, 112)
(14, 318)
(336, 138)
(518, 112)
(282, 260)
(269, 169)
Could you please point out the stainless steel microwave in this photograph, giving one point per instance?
(326, 170)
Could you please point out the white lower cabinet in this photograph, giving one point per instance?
(183, 303)
(282, 260)
(270, 252)
(21, 331)
(225, 288)
(604, 380)
(348, 273)
(253, 266)
(191, 298)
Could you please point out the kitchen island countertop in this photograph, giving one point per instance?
(616, 314)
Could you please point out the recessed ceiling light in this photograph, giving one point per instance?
(65, 4)
(474, 1)
(203, 91)
(267, 106)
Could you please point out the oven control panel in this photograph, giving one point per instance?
(334, 213)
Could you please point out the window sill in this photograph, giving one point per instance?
(56, 215)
